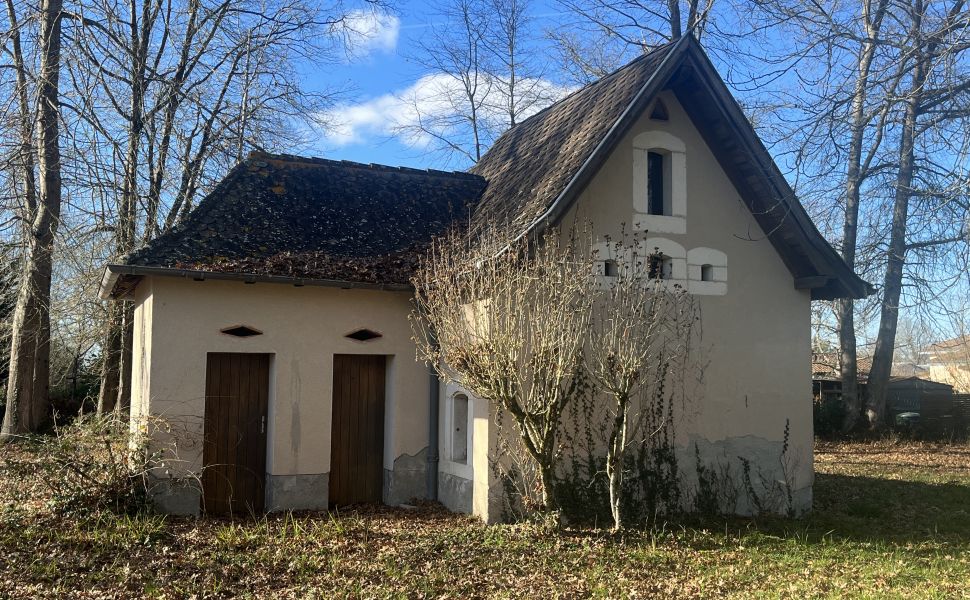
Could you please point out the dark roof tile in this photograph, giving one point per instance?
(532, 163)
(316, 218)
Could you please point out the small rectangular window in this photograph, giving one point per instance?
(707, 272)
(459, 429)
(655, 183)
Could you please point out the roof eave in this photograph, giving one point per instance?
(113, 273)
(839, 280)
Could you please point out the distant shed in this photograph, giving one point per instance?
(914, 394)
(943, 414)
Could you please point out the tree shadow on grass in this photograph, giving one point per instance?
(872, 509)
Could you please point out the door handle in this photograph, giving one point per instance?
(262, 424)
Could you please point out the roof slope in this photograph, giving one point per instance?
(533, 162)
(537, 169)
(296, 217)
(290, 217)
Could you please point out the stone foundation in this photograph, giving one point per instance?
(770, 475)
(455, 492)
(407, 480)
(176, 496)
(297, 492)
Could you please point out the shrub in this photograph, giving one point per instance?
(86, 467)
(828, 415)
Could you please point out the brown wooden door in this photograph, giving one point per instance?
(234, 446)
(357, 434)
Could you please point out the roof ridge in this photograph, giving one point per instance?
(259, 155)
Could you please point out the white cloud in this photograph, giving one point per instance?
(432, 106)
(368, 32)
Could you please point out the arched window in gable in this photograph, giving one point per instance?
(659, 183)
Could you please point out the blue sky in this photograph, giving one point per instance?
(375, 71)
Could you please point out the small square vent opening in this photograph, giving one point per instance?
(363, 335)
(241, 331)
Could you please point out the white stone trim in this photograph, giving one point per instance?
(675, 150)
(696, 259)
(445, 464)
(604, 252)
(659, 223)
(648, 140)
(675, 252)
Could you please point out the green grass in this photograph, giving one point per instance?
(889, 521)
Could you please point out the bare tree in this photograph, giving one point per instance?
(640, 330)
(938, 39)
(860, 118)
(27, 387)
(509, 326)
(482, 77)
(876, 153)
(167, 97)
(644, 22)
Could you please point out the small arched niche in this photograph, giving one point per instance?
(707, 271)
(666, 260)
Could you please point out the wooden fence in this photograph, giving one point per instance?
(945, 416)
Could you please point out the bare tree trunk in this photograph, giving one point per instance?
(23, 344)
(26, 121)
(125, 358)
(882, 359)
(615, 457)
(118, 364)
(675, 30)
(27, 399)
(548, 479)
(850, 228)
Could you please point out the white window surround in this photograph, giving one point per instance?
(675, 253)
(606, 253)
(670, 249)
(697, 258)
(447, 429)
(675, 152)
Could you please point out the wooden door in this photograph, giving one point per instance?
(234, 446)
(357, 433)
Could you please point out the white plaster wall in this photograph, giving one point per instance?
(302, 328)
(141, 344)
(757, 334)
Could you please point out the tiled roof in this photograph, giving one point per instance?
(319, 219)
(532, 163)
(313, 218)
(828, 365)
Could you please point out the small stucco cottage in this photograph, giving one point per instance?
(271, 327)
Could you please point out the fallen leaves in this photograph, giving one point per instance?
(877, 531)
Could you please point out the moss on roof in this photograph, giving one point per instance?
(315, 218)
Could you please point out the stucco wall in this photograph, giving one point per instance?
(955, 374)
(141, 344)
(756, 337)
(755, 342)
(303, 327)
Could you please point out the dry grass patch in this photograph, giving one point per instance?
(890, 520)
